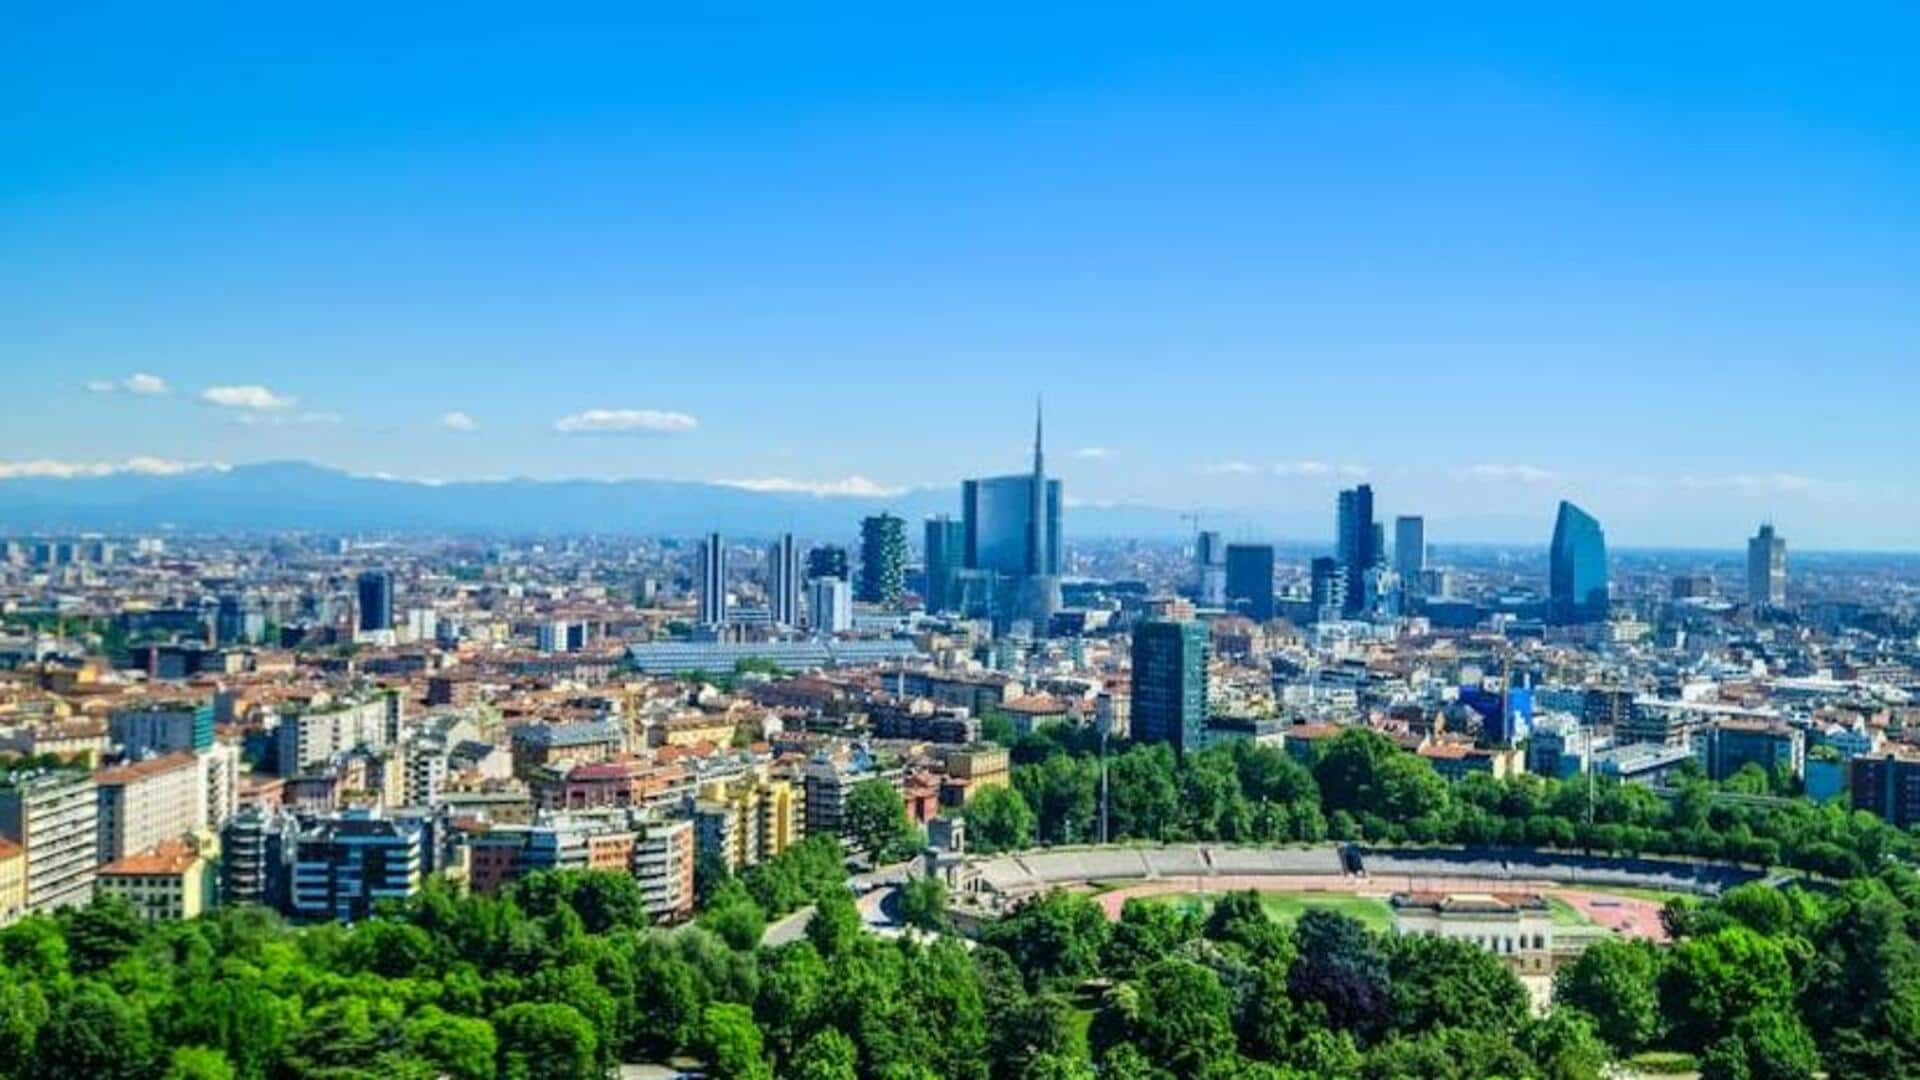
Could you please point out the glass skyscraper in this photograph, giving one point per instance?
(375, 593)
(1170, 683)
(1250, 579)
(1011, 533)
(1767, 568)
(946, 551)
(1359, 543)
(1577, 568)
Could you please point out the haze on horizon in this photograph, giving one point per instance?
(1664, 264)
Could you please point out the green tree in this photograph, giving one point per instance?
(460, 1047)
(1711, 982)
(94, 1032)
(836, 925)
(1341, 969)
(734, 916)
(731, 1043)
(1440, 982)
(1181, 1017)
(828, 1055)
(1767, 1044)
(1056, 935)
(999, 819)
(876, 820)
(198, 1063)
(540, 1041)
(923, 904)
(1616, 983)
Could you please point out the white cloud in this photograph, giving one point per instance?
(275, 419)
(1229, 468)
(1780, 483)
(257, 398)
(459, 421)
(625, 422)
(1517, 474)
(137, 383)
(1317, 468)
(1093, 453)
(48, 469)
(858, 486)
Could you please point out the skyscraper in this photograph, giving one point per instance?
(374, 590)
(1358, 543)
(827, 560)
(829, 605)
(1767, 568)
(1250, 579)
(1210, 568)
(1328, 587)
(713, 580)
(1409, 546)
(783, 581)
(946, 550)
(1170, 682)
(1577, 568)
(1012, 528)
(883, 560)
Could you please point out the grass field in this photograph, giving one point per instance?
(1286, 907)
(1565, 914)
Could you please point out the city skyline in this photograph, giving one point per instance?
(1198, 243)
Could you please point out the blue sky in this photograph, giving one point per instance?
(1664, 263)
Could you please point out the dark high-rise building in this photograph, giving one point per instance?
(946, 550)
(713, 580)
(1250, 579)
(1170, 683)
(783, 582)
(883, 560)
(1210, 568)
(1409, 547)
(1767, 568)
(1328, 585)
(828, 560)
(1887, 784)
(1577, 568)
(375, 593)
(1359, 543)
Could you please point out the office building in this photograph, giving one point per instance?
(946, 552)
(829, 605)
(256, 857)
(828, 560)
(146, 802)
(1250, 580)
(161, 728)
(1013, 533)
(1409, 547)
(237, 622)
(346, 864)
(53, 815)
(1577, 568)
(1767, 568)
(1169, 701)
(883, 560)
(1210, 569)
(375, 595)
(1358, 543)
(1888, 784)
(712, 571)
(1326, 588)
(783, 582)
(1725, 747)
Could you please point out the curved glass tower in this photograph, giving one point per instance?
(1577, 568)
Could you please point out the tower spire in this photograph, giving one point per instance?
(1039, 466)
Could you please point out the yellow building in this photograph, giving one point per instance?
(13, 882)
(762, 818)
(693, 730)
(167, 881)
